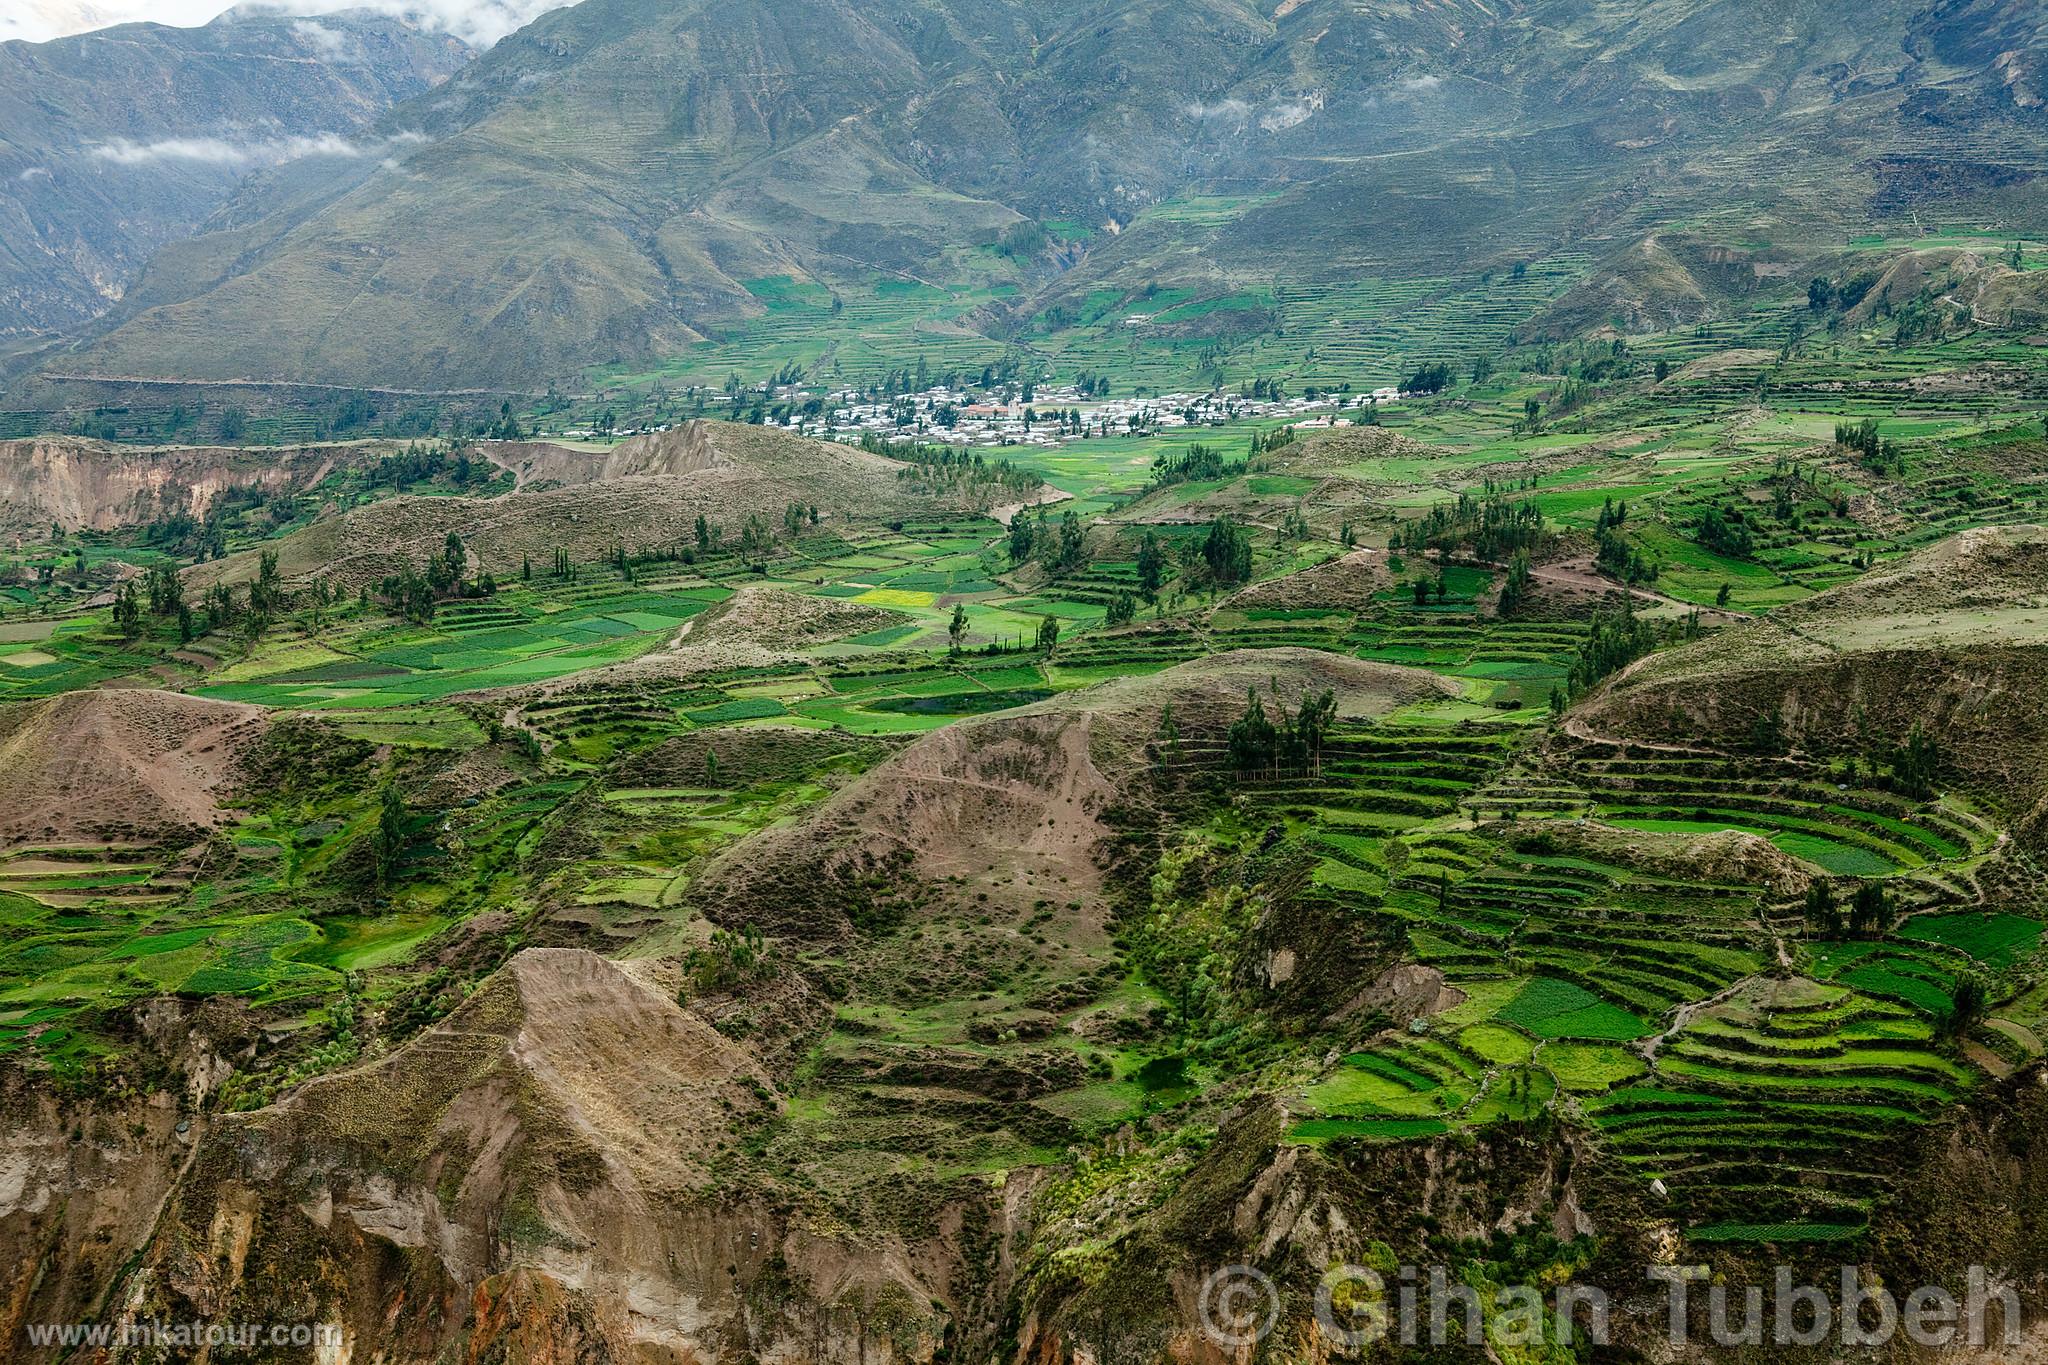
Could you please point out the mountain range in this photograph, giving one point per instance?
(612, 183)
(117, 142)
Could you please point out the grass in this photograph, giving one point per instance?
(1775, 1232)
(1425, 829)
(1997, 940)
(1549, 1008)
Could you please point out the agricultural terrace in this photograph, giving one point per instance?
(1738, 974)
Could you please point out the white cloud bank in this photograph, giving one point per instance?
(220, 151)
(330, 43)
(481, 22)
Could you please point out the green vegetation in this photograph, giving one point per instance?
(1740, 956)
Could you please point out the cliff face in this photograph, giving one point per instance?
(88, 486)
(546, 1175)
(556, 1173)
(85, 1177)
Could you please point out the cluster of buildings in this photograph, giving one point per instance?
(1052, 416)
(1056, 415)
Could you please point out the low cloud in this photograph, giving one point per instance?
(477, 22)
(221, 151)
(325, 42)
(1276, 117)
(1401, 92)
(1291, 114)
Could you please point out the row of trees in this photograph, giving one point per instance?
(1492, 524)
(1725, 535)
(161, 595)
(1194, 463)
(448, 463)
(416, 593)
(937, 468)
(1870, 912)
(1061, 548)
(1222, 557)
(1614, 553)
(1617, 639)
(1877, 453)
(1262, 744)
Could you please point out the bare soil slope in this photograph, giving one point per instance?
(120, 764)
(83, 485)
(535, 1169)
(1014, 804)
(644, 494)
(1987, 293)
(730, 449)
(1346, 583)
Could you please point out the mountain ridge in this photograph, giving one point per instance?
(117, 142)
(628, 169)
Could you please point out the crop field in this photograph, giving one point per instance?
(1614, 936)
(61, 656)
(1583, 970)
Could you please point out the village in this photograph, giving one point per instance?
(1053, 416)
(1050, 417)
(1010, 412)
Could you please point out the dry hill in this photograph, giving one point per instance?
(127, 765)
(643, 494)
(1963, 283)
(82, 485)
(537, 1168)
(1014, 805)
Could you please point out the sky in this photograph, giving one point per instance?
(481, 22)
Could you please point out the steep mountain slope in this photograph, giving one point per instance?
(536, 1172)
(627, 168)
(114, 143)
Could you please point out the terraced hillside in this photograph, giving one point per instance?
(1538, 850)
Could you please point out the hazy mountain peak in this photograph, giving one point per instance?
(477, 22)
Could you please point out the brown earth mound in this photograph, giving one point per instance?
(779, 616)
(1346, 583)
(537, 1171)
(1014, 804)
(613, 1080)
(122, 764)
(1987, 293)
(1334, 450)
